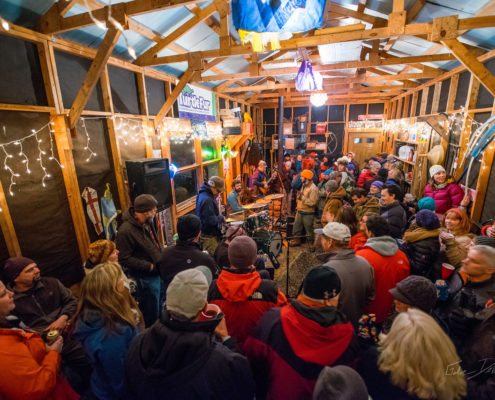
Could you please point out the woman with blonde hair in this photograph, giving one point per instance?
(415, 360)
(455, 236)
(106, 320)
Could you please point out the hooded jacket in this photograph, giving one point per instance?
(106, 352)
(182, 360)
(244, 298)
(357, 241)
(207, 211)
(29, 372)
(307, 198)
(372, 204)
(396, 217)
(44, 303)
(138, 246)
(290, 346)
(333, 204)
(358, 282)
(364, 177)
(390, 265)
(184, 255)
(422, 248)
(445, 196)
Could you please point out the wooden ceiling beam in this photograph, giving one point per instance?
(471, 63)
(336, 8)
(94, 73)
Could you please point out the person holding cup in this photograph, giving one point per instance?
(455, 236)
(179, 358)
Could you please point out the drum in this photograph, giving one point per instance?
(268, 242)
(257, 221)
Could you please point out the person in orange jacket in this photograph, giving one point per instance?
(33, 372)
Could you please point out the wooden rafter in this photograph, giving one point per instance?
(360, 16)
(183, 81)
(471, 63)
(179, 32)
(53, 22)
(97, 66)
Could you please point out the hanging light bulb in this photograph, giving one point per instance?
(5, 25)
(131, 52)
(318, 99)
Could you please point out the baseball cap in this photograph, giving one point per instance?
(335, 230)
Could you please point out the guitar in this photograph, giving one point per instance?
(267, 183)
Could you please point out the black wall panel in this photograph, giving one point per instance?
(319, 114)
(337, 113)
(98, 171)
(300, 111)
(72, 71)
(41, 215)
(429, 102)
(376, 108)
(462, 90)
(268, 115)
(418, 103)
(155, 94)
(355, 110)
(21, 80)
(124, 88)
(444, 95)
(336, 140)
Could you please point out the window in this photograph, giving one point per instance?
(182, 154)
(209, 150)
(185, 184)
(358, 140)
(370, 140)
(211, 170)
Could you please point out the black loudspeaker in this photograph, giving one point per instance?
(150, 176)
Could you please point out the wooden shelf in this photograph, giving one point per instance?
(404, 161)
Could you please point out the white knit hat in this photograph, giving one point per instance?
(187, 293)
(436, 169)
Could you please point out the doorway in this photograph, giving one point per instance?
(364, 145)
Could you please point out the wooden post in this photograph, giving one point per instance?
(64, 149)
(97, 66)
(399, 108)
(454, 82)
(148, 129)
(143, 100)
(414, 104)
(407, 103)
(482, 184)
(7, 226)
(424, 100)
(436, 98)
(50, 76)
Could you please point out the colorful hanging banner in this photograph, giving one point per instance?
(196, 103)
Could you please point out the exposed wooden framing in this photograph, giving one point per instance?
(21, 107)
(346, 12)
(178, 33)
(52, 22)
(474, 86)
(394, 109)
(7, 226)
(93, 75)
(143, 100)
(454, 82)
(483, 179)
(148, 128)
(407, 103)
(424, 100)
(399, 109)
(64, 149)
(50, 77)
(436, 98)
(471, 63)
(173, 96)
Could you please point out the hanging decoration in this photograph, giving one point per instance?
(109, 214)
(306, 79)
(214, 130)
(260, 22)
(132, 130)
(93, 208)
(178, 130)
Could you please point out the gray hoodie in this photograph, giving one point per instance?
(383, 245)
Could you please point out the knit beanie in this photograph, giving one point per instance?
(426, 203)
(375, 164)
(187, 293)
(378, 184)
(340, 383)
(242, 252)
(383, 174)
(307, 174)
(188, 227)
(485, 241)
(321, 283)
(417, 291)
(144, 203)
(435, 169)
(331, 186)
(427, 219)
(13, 268)
(100, 250)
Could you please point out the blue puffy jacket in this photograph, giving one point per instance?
(207, 211)
(106, 352)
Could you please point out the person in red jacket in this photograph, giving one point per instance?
(369, 174)
(241, 293)
(390, 264)
(290, 346)
(29, 367)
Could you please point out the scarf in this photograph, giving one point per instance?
(437, 186)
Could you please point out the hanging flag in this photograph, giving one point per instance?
(93, 208)
(109, 213)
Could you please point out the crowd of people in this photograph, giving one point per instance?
(399, 305)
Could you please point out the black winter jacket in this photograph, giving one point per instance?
(137, 249)
(207, 211)
(181, 360)
(184, 255)
(396, 217)
(422, 256)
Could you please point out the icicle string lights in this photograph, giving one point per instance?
(88, 140)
